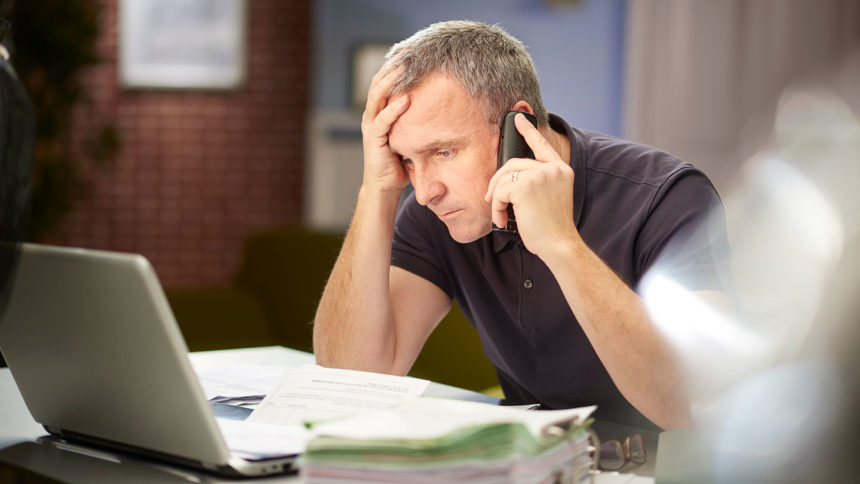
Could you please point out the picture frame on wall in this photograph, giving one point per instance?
(182, 44)
(366, 59)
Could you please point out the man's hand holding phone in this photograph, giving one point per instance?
(540, 190)
(382, 168)
(512, 145)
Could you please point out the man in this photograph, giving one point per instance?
(553, 303)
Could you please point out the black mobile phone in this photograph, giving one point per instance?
(512, 145)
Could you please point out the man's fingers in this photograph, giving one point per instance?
(506, 172)
(499, 205)
(383, 71)
(542, 149)
(381, 125)
(380, 89)
(502, 186)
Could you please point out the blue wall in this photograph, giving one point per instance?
(577, 50)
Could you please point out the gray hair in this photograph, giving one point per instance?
(492, 65)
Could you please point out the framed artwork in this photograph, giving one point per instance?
(367, 58)
(184, 44)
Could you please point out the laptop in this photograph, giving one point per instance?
(94, 348)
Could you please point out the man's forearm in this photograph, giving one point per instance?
(353, 327)
(616, 323)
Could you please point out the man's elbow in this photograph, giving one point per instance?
(678, 416)
(329, 355)
(323, 348)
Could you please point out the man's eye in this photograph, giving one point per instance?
(408, 163)
(444, 153)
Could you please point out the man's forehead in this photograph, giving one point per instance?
(440, 112)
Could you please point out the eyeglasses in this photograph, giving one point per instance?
(609, 456)
(614, 454)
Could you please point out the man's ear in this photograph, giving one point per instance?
(522, 106)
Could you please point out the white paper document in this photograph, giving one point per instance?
(257, 439)
(313, 394)
(239, 379)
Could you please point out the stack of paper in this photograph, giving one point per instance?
(425, 440)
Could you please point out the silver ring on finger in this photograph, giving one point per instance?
(516, 175)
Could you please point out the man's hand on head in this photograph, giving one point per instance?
(382, 168)
(541, 191)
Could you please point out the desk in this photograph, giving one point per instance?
(21, 452)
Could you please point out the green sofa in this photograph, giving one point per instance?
(273, 298)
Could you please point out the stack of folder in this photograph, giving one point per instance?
(425, 440)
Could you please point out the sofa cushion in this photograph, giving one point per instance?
(453, 355)
(288, 267)
(221, 317)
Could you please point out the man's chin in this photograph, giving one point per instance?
(465, 235)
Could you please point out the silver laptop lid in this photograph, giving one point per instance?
(93, 346)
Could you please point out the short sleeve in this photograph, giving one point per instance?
(415, 246)
(685, 236)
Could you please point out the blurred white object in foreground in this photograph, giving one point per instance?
(766, 375)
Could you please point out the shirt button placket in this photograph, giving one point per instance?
(528, 284)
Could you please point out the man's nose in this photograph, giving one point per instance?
(427, 184)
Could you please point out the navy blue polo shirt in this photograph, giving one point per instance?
(630, 202)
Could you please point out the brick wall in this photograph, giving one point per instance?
(199, 170)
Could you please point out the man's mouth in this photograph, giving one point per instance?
(449, 214)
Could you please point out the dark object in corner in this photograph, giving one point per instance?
(16, 170)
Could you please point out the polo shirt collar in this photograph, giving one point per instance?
(578, 160)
